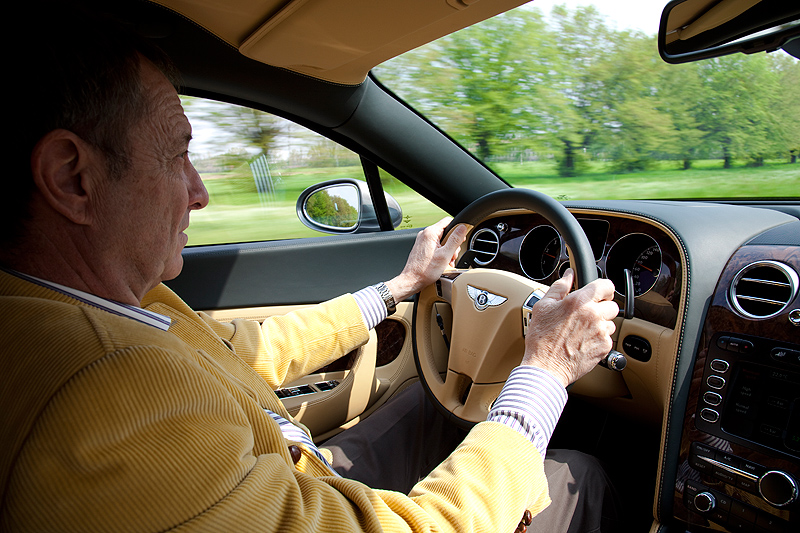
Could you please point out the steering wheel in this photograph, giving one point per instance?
(487, 341)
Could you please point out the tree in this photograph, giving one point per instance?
(787, 104)
(676, 89)
(735, 106)
(638, 124)
(570, 108)
(516, 84)
(479, 84)
(251, 129)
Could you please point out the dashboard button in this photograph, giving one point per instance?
(771, 524)
(743, 511)
(729, 459)
(715, 382)
(754, 469)
(719, 516)
(778, 488)
(712, 398)
(746, 347)
(698, 448)
(785, 355)
(724, 501)
(637, 347)
(698, 456)
(748, 484)
(709, 415)
(704, 502)
(722, 342)
(739, 525)
(735, 345)
(720, 365)
(691, 488)
(724, 475)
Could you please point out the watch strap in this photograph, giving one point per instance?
(386, 296)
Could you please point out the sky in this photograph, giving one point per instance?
(641, 15)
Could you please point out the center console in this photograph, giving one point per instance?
(739, 466)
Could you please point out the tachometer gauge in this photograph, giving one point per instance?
(540, 252)
(551, 254)
(645, 270)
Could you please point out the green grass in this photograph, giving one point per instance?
(706, 179)
(237, 214)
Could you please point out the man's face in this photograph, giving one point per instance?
(147, 210)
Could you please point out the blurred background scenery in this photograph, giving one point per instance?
(564, 99)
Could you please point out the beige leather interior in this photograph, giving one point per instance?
(642, 391)
(694, 17)
(334, 40)
(360, 391)
(485, 345)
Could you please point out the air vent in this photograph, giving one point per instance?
(763, 289)
(485, 245)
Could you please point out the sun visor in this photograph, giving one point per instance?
(341, 40)
(335, 40)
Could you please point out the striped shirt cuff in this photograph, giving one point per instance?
(531, 403)
(372, 306)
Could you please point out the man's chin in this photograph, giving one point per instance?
(173, 269)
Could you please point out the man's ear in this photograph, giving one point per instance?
(62, 165)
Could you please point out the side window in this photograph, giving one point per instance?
(256, 165)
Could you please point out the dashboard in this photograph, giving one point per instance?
(739, 463)
(530, 246)
(713, 346)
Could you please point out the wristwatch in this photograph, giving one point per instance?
(386, 296)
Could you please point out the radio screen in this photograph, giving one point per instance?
(763, 406)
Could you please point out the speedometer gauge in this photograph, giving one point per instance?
(638, 253)
(645, 270)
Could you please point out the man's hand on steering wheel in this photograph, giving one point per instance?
(570, 332)
(427, 260)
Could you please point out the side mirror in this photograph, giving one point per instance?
(343, 206)
(699, 29)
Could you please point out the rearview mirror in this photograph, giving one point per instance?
(700, 29)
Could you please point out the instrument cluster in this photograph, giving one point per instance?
(530, 246)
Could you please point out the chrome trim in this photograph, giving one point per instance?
(710, 419)
(484, 299)
(609, 255)
(728, 468)
(475, 238)
(792, 285)
(717, 398)
(561, 249)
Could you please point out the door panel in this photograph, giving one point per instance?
(255, 281)
(365, 380)
(290, 272)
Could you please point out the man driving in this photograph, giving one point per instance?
(125, 410)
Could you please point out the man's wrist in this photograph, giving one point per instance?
(387, 297)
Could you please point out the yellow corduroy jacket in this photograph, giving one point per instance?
(112, 425)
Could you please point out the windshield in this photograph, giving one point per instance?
(576, 102)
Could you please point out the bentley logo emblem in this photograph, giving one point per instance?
(484, 299)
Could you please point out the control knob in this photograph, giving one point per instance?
(704, 502)
(778, 488)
